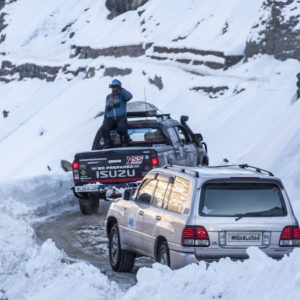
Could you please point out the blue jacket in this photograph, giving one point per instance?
(116, 104)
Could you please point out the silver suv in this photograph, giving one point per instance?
(180, 215)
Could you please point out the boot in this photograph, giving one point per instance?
(106, 142)
(123, 141)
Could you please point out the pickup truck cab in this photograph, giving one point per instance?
(154, 141)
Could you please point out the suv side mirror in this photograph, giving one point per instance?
(127, 194)
(198, 138)
(145, 198)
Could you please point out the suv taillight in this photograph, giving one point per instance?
(195, 236)
(290, 236)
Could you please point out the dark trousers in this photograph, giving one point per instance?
(120, 124)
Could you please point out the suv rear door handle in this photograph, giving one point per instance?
(158, 218)
(141, 212)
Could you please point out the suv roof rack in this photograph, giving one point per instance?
(182, 169)
(245, 166)
(195, 173)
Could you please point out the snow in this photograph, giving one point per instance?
(282, 140)
(255, 121)
(32, 271)
(259, 277)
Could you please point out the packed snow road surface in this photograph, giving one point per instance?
(84, 238)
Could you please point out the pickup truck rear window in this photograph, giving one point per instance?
(242, 200)
(140, 136)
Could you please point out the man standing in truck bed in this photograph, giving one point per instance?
(115, 113)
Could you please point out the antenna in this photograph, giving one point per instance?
(145, 97)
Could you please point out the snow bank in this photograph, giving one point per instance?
(29, 271)
(38, 197)
(259, 277)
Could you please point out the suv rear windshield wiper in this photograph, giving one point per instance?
(275, 211)
(248, 214)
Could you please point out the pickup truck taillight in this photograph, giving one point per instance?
(75, 168)
(194, 236)
(290, 236)
(155, 162)
(75, 165)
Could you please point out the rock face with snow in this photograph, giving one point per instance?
(118, 7)
(277, 31)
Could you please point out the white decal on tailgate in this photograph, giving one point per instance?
(132, 160)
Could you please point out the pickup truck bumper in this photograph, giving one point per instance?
(89, 188)
(105, 192)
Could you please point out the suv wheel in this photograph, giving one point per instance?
(120, 260)
(163, 254)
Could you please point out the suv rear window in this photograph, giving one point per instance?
(242, 199)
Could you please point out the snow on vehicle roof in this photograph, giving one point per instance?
(141, 108)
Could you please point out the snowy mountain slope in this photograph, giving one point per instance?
(233, 108)
(282, 140)
(207, 25)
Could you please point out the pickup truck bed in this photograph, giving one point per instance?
(119, 165)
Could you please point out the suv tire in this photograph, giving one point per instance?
(163, 256)
(120, 260)
(89, 205)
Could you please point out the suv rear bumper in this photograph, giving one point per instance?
(181, 259)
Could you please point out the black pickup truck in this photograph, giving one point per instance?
(154, 140)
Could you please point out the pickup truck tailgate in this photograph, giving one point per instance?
(113, 165)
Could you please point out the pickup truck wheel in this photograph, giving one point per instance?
(163, 256)
(89, 205)
(120, 260)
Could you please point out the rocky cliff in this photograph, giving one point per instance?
(277, 31)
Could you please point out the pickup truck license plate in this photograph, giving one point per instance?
(87, 188)
(244, 238)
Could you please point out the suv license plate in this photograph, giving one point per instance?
(244, 238)
(87, 188)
